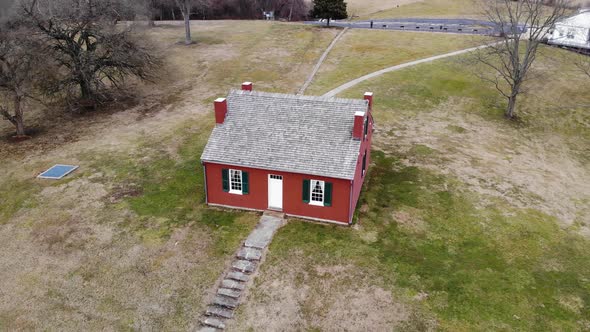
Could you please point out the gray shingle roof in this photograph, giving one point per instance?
(300, 134)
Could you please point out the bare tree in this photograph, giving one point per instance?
(583, 63)
(20, 70)
(92, 52)
(290, 9)
(186, 7)
(522, 26)
(145, 8)
(150, 9)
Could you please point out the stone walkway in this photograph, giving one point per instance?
(321, 61)
(354, 82)
(237, 278)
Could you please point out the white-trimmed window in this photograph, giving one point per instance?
(235, 181)
(317, 191)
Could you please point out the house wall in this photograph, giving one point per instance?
(580, 36)
(573, 31)
(292, 193)
(358, 177)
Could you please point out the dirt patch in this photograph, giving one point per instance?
(122, 191)
(493, 159)
(325, 298)
(72, 274)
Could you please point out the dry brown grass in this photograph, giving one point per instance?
(76, 254)
(367, 7)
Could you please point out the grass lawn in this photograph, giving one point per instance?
(431, 9)
(466, 222)
(363, 8)
(361, 52)
(125, 242)
(376, 9)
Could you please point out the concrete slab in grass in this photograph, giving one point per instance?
(226, 302)
(233, 293)
(233, 284)
(219, 312)
(250, 254)
(237, 276)
(214, 322)
(244, 266)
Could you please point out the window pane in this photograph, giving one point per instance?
(235, 180)
(317, 191)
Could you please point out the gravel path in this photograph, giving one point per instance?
(354, 82)
(319, 64)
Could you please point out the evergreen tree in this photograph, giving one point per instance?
(330, 9)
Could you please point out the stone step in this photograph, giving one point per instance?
(207, 329)
(238, 276)
(226, 302)
(214, 322)
(219, 312)
(250, 254)
(244, 266)
(275, 214)
(263, 233)
(233, 284)
(229, 292)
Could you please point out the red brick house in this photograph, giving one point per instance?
(302, 155)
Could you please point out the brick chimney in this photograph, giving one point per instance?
(247, 86)
(220, 110)
(369, 97)
(359, 125)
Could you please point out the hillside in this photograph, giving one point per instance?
(467, 221)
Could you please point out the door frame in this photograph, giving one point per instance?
(269, 192)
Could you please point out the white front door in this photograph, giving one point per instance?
(275, 192)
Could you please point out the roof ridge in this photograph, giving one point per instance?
(347, 101)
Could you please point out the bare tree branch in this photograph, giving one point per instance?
(583, 63)
(522, 25)
(91, 50)
(21, 69)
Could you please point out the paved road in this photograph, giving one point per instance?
(354, 82)
(462, 26)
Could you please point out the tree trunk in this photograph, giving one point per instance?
(511, 107)
(173, 15)
(187, 28)
(187, 23)
(85, 89)
(19, 121)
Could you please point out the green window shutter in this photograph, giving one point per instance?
(245, 183)
(305, 191)
(328, 194)
(225, 179)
